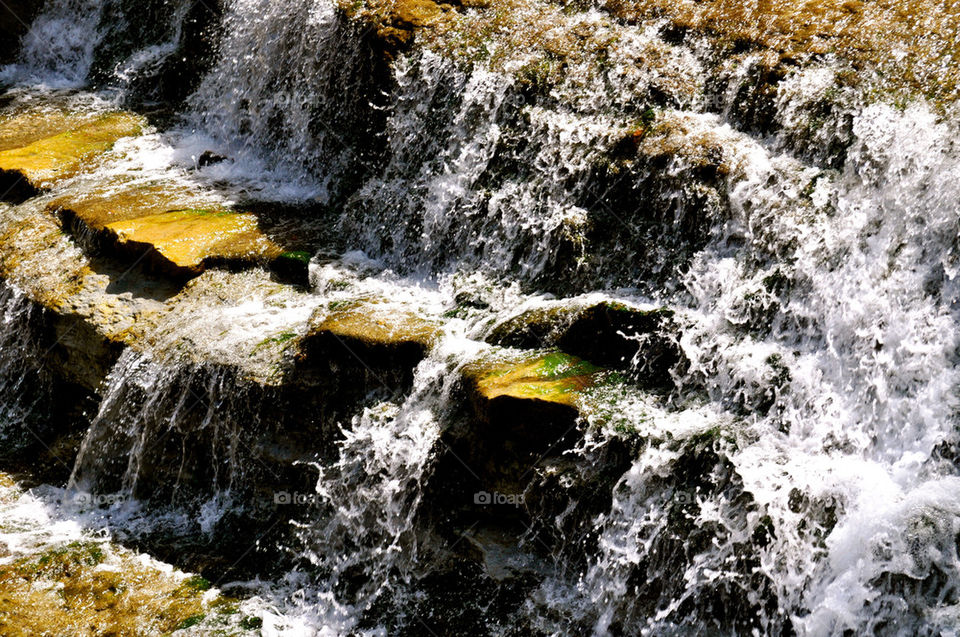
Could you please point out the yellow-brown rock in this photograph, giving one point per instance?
(96, 589)
(364, 346)
(28, 126)
(30, 168)
(185, 242)
(97, 209)
(376, 324)
(396, 21)
(554, 378)
(379, 334)
(522, 409)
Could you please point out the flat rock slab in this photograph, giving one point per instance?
(26, 127)
(28, 169)
(184, 243)
(126, 200)
(177, 230)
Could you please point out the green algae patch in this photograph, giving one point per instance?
(65, 154)
(185, 242)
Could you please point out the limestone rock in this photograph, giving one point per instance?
(376, 335)
(178, 230)
(184, 243)
(363, 347)
(26, 170)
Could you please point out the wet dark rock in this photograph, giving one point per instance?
(643, 343)
(130, 26)
(15, 18)
(209, 158)
(365, 347)
(517, 411)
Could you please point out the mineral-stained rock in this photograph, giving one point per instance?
(176, 229)
(26, 170)
(116, 202)
(521, 409)
(24, 126)
(614, 335)
(395, 23)
(98, 589)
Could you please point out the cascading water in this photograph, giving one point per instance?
(795, 472)
(58, 50)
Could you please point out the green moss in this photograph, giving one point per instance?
(251, 623)
(59, 562)
(706, 438)
(300, 256)
(557, 366)
(191, 621)
(196, 583)
(279, 339)
(207, 212)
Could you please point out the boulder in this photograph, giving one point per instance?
(613, 335)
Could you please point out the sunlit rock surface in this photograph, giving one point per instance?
(36, 165)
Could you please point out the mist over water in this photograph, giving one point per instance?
(800, 477)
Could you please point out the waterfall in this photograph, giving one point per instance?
(59, 47)
(796, 472)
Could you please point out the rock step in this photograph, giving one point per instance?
(176, 230)
(366, 346)
(28, 169)
(522, 407)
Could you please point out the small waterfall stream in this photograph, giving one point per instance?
(797, 475)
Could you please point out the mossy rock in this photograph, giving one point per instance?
(609, 334)
(26, 170)
(521, 409)
(555, 378)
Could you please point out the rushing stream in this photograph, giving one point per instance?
(798, 476)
